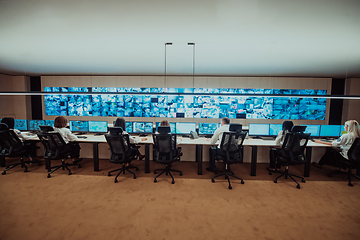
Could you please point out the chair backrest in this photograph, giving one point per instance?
(10, 142)
(3, 126)
(44, 128)
(165, 147)
(294, 146)
(354, 151)
(119, 147)
(231, 146)
(116, 130)
(54, 145)
(163, 129)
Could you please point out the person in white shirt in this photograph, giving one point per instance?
(69, 138)
(213, 151)
(274, 152)
(343, 144)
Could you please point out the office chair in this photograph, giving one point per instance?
(55, 148)
(11, 146)
(230, 153)
(292, 153)
(166, 153)
(352, 163)
(121, 152)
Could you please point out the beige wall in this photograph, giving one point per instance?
(351, 108)
(15, 106)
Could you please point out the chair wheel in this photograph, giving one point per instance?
(115, 181)
(275, 181)
(298, 186)
(134, 177)
(180, 174)
(242, 182)
(173, 182)
(155, 180)
(70, 173)
(48, 176)
(26, 170)
(212, 180)
(109, 174)
(303, 180)
(350, 184)
(3, 173)
(230, 187)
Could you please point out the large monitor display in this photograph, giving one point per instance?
(186, 103)
(79, 126)
(98, 126)
(259, 129)
(314, 130)
(330, 130)
(185, 127)
(274, 129)
(142, 127)
(208, 128)
(33, 125)
(20, 124)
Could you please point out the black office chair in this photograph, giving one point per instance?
(55, 148)
(121, 152)
(352, 163)
(166, 153)
(12, 147)
(230, 153)
(292, 153)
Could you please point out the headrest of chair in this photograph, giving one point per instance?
(3, 126)
(235, 127)
(163, 129)
(300, 129)
(116, 130)
(46, 128)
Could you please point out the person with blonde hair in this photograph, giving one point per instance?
(343, 144)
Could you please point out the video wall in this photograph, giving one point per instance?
(185, 103)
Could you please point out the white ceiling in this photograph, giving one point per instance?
(244, 37)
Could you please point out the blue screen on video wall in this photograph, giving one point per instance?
(186, 103)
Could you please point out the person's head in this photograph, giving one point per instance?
(287, 126)
(164, 123)
(352, 126)
(225, 121)
(60, 122)
(120, 122)
(9, 121)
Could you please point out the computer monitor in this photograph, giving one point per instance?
(314, 130)
(342, 130)
(172, 126)
(20, 124)
(208, 128)
(274, 129)
(256, 129)
(98, 126)
(79, 126)
(129, 127)
(330, 131)
(185, 127)
(33, 125)
(50, 123)
(142, 127)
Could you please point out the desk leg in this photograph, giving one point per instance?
(308, 162)
(2, 161)
(199, 158)
(147, 158)
(253, 160)
(96, 156)
(47, 164)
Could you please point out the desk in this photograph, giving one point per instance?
(255, 143)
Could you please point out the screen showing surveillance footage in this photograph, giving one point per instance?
(185, 103)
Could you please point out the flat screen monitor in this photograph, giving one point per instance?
(274, 129)
(342, 130)
(314, 130)
(98, 126)
(172, 126)
(208, 128)
(142, 127)
(50, 123)
(20, 124)
(129, 127)
(185, 127)
(330, 131)
(256, 129)
(79, 126)
(33, 125)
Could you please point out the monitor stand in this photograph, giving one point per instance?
(256, 137)
(80, 133)
(184, 135)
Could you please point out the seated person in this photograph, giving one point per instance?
(165, 123)
(343, 144)
(120, 122)
(69, 138)
(274, 152)
(213, 151)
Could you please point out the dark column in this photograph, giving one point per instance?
(336, 105)
(35, 85)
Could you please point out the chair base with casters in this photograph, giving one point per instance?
(22, 163)
(122, 170)
(349, 174)
(64, 166)
(168, 171)
(228, 173)
(286, 174)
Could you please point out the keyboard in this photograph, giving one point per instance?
(82, 136)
